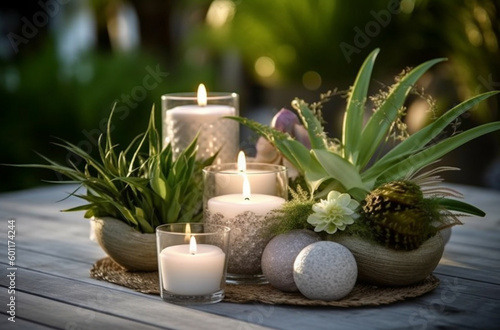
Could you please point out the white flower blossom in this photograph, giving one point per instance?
(334, 213)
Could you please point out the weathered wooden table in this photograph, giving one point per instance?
(48, 283)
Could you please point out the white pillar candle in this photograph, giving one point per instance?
(188, 273)
(249, 223)
(183, 122)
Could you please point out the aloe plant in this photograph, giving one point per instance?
(142, 185)
(352, 167)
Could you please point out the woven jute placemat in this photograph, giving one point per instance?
(362, 294)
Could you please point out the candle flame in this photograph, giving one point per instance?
(246, 188)
(192, 245)
(242, 163)
(188, 233)
(202, 95)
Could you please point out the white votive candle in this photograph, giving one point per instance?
(187, 273)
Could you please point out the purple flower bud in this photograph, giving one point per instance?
(284, 121)
(288, 122)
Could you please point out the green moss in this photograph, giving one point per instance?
(293, 214)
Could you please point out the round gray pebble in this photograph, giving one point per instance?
(279, 255)
(325, 271)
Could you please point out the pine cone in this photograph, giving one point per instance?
(397, 215)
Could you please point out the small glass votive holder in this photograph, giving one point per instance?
(192, 262)
(248, 215)
(184, 117)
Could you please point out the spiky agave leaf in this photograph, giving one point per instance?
(381, 120)
(360, 142)
(353, 117)
(420, 139)
(403, 209)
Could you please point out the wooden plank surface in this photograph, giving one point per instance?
(54, 289)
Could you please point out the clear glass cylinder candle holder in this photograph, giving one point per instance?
(248, 215)
(192, 262)
(183, 118)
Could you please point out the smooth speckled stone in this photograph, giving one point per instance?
(279, 255)
(325, 271)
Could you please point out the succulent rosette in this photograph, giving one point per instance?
(333, 213)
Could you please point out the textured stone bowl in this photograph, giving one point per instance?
(127, 247)
(379, 265)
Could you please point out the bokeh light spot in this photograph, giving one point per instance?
(265, 67)
(311, 80)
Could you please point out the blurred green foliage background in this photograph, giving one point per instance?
(65, 63)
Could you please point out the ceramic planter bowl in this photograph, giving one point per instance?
(383, 266)
(129, 248)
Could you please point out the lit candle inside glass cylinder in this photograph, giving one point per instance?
(186, 115)
(192, 269)
(247, 216)
(261, 179)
